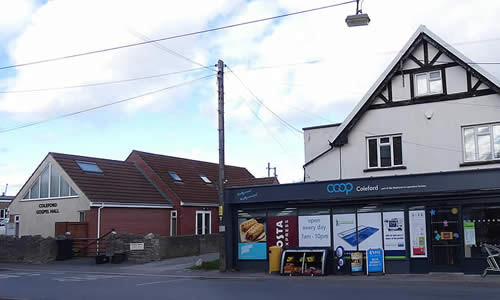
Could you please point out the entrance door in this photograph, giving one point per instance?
(446, 239)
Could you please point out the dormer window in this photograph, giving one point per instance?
(428, 83)
(205, 179)
(88, 166)
(174, 176)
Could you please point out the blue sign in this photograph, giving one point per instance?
(252, 251)
(374, 260)
(339, 188)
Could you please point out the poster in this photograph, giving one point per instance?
(469, 233)
(282, 232)
(374, 261)
(252, 238)
(356, 262)
(314, 231)
(369, 230)
(418, 236)
(344, 231)
(394, 231)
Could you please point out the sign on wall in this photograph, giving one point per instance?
(252, 243)
(394, 230)
(314, 231)
(344, 231)
(136, 246)
(369, 230)
(418, 236)
(282, 231)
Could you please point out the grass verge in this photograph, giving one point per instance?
(207, 265)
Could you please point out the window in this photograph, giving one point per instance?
(174, 176)
(173, 223)
(205, 179)
(429, 83)
(89, 166)
(385, 151)
(481, 225)
(203, 222)
(50, 184)
(82, 216)
(481, 142)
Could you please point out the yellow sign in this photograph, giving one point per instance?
(220, 210)
(454, 210)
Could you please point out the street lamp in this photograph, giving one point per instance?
(359, 19)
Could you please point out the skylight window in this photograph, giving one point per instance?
(174, 176)
(89, 166)
(205, 179)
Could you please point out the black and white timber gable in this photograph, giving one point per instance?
(418, 75)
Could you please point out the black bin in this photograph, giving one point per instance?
(64, 249)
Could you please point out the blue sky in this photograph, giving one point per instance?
(183, 121)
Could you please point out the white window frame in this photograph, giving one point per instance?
(203, 212)
(476, 146)
(50, 183)
(428, 82)
(378, 138)
(173, 215)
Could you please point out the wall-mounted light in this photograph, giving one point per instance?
(359, 19)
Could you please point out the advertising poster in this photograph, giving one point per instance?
(314, 231)
(418, 236)
(282, 232)
(252, 242)
(374, 261)
(469, 233)
(357, 262)
(394, 231)
(344, 231)
(369, 230)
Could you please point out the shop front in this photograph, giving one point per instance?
(422, 223)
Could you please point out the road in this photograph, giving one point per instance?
(50, 283)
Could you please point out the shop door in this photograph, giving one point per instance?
(446, 239)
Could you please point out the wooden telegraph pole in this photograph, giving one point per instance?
(222, 229)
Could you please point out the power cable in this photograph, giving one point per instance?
(97, 83)
(288, 125)
(175, 36)
(102, 106)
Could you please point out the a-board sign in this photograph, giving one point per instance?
(374, 261)
(136, 246)
(356, 262)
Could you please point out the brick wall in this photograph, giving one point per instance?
(187, 219)
(27, 249)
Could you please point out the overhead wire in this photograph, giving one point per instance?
(103, 105)
(175, 36)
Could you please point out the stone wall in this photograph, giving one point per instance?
(27, 249)
(160, 247)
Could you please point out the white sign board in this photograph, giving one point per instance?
(418, 235)
(314, 231)
(10, 229)
(136, 246)
(394, 230)
(369, 230)
(344, 231)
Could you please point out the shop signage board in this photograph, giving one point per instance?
(344, 231)
(252, 239)
(418, 235)
(469, 233)
(374, 261)
(394, 231)
(314, 231)
(282, 231)
(369, 230)
(356, 262)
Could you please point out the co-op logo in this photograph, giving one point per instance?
(339, 188)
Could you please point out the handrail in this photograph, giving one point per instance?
(94, 241)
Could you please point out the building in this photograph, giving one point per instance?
(147, 193)
(412, 170)
(4, 204)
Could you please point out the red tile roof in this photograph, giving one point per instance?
(254, 181)
(119, 182)
(192, 189)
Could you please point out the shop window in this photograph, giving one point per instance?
(385, 151)
(50, 184)
(252, 241)
(428, 83)
(481, 225)
(173, 223)
(481, 142)
(314, 211)
(282, 227)
(369, 225)
(203, 225)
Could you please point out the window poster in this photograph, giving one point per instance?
(344, 231)
(252, 243)
(418, 236)
(394, 231)
(282, 231)
(314, 231)
(369, 230)
(469, 233)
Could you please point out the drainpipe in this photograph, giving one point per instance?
(99, 225)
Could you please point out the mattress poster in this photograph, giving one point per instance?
(314, 231)
(369, 230)
(344, 231)
(282, 231)
(252, 238)
(418, 236)
(394, 231)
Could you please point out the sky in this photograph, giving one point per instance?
(298, 71)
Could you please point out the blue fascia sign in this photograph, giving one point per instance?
(374, 261)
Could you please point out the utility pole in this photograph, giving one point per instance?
(222, 229)
(269, 170)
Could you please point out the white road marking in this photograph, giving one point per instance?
(5, 276)
(85, 278)
(158, 282)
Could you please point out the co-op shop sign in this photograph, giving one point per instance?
(347, 187)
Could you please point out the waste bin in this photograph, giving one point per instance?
(274, 259)
(64, 249)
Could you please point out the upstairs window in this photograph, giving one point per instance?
(89, 166)
(205, 179)
(174, 176)
(428, 83)
(481, 142)
(384, 151)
